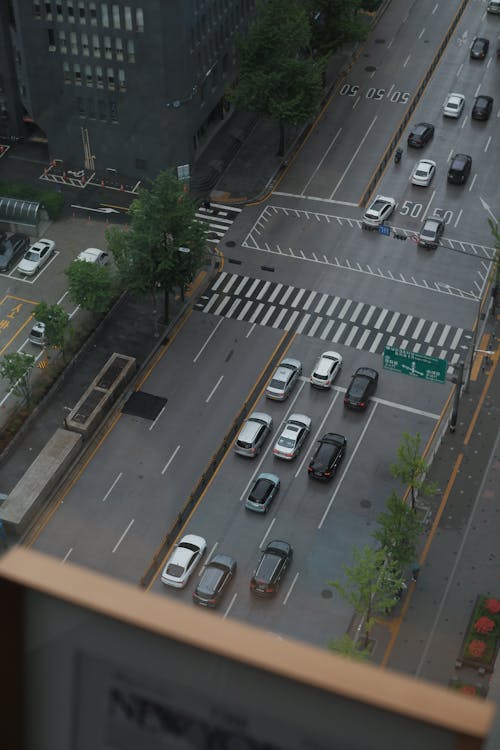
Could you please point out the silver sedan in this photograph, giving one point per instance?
(423, 172)
(292, 437)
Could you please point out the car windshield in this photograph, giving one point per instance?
(31, 255)
(174, 570)
(378, 206)
(188, 545)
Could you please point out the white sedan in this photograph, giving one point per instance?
(36, 257)
(292, 436)
(183, 561)
(423, 172)
(453, 105)
(378, 211)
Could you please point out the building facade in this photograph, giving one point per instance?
(129, 85)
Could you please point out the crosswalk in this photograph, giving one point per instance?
(337, 320)
(218, 218)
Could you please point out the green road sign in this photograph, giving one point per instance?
(417, 365)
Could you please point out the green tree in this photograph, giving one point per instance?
(399, 531)
(346, 646)
(335, 23)
(373, 585)
(164, 245)
(91, 286)
(16, 369)
(411, 467)
(278, 78)
(57, 325)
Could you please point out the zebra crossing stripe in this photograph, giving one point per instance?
(308, 302)
(246, 308)
(286, 295)
(368, 315)
(362, 341)
(321, 303)
(315, 326)
(268, 314)
(211, 302)
(345, 308)
(222, 305)
(252, 288)
(233, 308)
(241, 285)
(218, 281)
(339, 333)
(303, 322)
(264, 290)
(280, 317)
(351, 336)
(374, 346)
(380, 318)
(391, 325)
(327, 329)
(229, 284)
(405, 325)
(430, 332)
(418, 328)
(356, 312)
(275, 292)
(444, 335)
(332, 307)
(298, 297)
(291, 320)
(456, 339)
(256, 313)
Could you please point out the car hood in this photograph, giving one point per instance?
(27, 265)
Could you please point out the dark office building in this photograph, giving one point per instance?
(132, 85)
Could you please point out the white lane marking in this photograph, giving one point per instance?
(356, 102)
(406, 61)
(230, 606)
(153, 424)
(354, 156)
(472, 183)
(390, 43)
(261, 545)
(291, 588)
(68, 553)
(460, 68)
(344, 473)
(170, 460)
(74, 311)
(316, 198)
(219, 281)
(320, 163)
(112, 486)
(476, 92)
(435, 9)
(208, 558)
(318, 432)
(61, 298)
(426, 210)
(120, 540)
(421, 34)
(214, 389)
(487, 144)
(458, 217)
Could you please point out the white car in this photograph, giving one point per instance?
(292, 436)
(183, 561)
(36, 257)
(326, 370)
(94, 255)
(378, 211)
(454, 105)
(423, 172)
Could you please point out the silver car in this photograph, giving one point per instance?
(292, 437)
(253, 434)
(264, 490)
(284, 379)
(378, 211)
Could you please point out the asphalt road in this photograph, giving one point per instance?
(303, 264)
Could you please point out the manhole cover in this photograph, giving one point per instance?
(370, 68)
(366, 503)
(230, 243)
(145, 405)
(327, 594)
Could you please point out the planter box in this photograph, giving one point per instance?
(491, 640)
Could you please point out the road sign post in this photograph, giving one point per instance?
(415, 364)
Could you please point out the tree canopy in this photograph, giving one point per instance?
(335, 23)
(399, 531)
(90, 285)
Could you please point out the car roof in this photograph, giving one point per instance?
(326, 362)
(333, 438)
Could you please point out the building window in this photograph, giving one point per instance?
(116, 16)
(70, 10)
(91, 109)
(131, 50)
(59, 11)
(89, 79)
(119, 49)
(73, 42)
(52, 40)
(93, 14)
(62, 42)
(85, 44)
(139, 19)
(113, 112)
(36, 8)
(105, 15)
(80, 106)
(102, 110)
(127, 12)
(96, 46)
(77, 73)
(111, 78)
(48, 10)
(108, 51)
(98, 74)
(81, 11)
(121, 80)
(66, 72)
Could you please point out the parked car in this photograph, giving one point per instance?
(37, 334)
(493, 6)
(420, 134)
(36, 257)
(183, 561)
(326, 370)
(459, 169)
(454, 105)
(292, 436)
(482, 107)
(431, 232)
(480, 47)
(11, 248)
(423, 172)
(284, 379)
(378, 211)
(94, 255)
(264, 490)
(214, 580)
(272, 566)
(327, 456)
(361, 388)
(253, 434)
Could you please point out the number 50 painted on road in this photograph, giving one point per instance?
(396, 96)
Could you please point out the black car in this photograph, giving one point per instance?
(214, 581)
(272, 566)
(480, 47)
(10, 249)
(420, 134)
(362, 386)
(328, 456)
(459, 169)
(431, 232)
(482, 107)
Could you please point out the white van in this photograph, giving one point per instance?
(493, 6)
(94, 255)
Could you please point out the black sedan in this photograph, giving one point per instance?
(482, 107)
(272, 566)
(420, 134)
(327, 457)
(214, 581)
(362, 386)
(479, 49)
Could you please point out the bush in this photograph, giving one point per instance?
(51, 199)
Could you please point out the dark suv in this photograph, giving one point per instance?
(362, 386)
(214, 581)
(272, 567)
(420, 134)
(328, 456)
(460, 168)
(482, 107)
(11, 248)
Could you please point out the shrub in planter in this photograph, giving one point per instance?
(492, 606)
(485, 625)
(476, 648)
